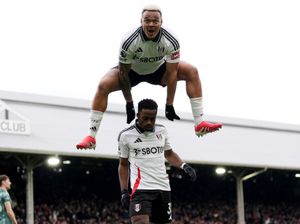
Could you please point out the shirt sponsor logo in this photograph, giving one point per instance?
(175, 55)
(151, 59)
(148, 150)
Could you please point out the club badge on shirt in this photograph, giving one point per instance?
(137, 207)
(159, 136)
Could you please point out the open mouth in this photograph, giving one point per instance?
(151, 32)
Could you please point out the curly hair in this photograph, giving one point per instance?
(147, 104)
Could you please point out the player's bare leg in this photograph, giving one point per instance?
(108, 84)
(140, 219)
(189, 73)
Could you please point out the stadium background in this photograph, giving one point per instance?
(87, 189)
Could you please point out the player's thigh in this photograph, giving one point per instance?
(110, 81)
(141, 203)
(186, 71)
(162, 208)
(140, 219)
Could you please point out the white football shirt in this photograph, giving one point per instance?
(146, 56)
(145, 152)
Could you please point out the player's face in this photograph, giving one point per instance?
(151, 22)
(146, 119)
(7, 183)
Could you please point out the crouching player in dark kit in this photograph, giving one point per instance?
(145, 146)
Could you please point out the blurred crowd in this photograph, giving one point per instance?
(97, 211)
(75, 212)
(74, 196)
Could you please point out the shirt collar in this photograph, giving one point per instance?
(140, 129)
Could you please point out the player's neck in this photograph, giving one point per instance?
(142, 130)
(3, 188)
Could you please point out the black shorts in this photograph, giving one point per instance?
(155, 203)
(153, 78)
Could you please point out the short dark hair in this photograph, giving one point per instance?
(3, 178)
(147, 104)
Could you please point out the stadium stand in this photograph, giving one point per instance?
(87, 191)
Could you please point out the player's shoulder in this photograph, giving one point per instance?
(169, 37)
(167, 31)
(160, 127)
(4, 194)
(126, 131)
(2, 191)
(131, 36)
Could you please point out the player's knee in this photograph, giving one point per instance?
(104, 87)
(194, 71)
(192, 74)
(188, 72)
(109, 83)
(101, 88)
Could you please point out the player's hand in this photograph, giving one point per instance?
(125, 199)
(170, 113)
(130, 112)
(190, 171)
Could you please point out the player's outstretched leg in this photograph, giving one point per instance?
(108, 84)
(190, 74)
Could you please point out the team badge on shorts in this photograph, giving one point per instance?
(137, 207)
